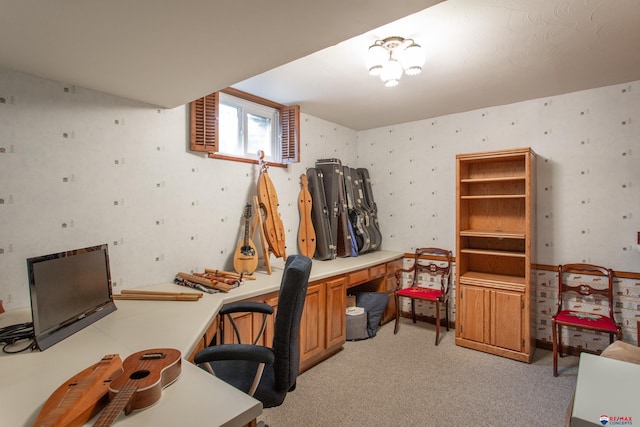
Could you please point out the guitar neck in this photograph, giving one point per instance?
(246, 231)
(115, 407)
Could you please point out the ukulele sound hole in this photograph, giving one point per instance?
(138, 375)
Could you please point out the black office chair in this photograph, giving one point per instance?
(267, 373)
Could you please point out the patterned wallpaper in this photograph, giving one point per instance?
(78, 167)
(588, 187)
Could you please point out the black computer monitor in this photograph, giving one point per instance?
(69, 291)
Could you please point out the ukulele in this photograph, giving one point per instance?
(268, 199)
(245, 259)
(145, 374)
(306, 233)
(81, 397)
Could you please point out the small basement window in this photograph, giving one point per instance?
(234, 125)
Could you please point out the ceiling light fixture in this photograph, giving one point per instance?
(389, 57)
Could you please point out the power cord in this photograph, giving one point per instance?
(12, 335)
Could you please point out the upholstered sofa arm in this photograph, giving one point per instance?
(624, 351)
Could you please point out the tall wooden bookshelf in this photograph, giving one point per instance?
(495, 246)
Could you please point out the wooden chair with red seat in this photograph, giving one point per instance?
(438, 266)
(591, 306)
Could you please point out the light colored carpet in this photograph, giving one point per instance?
(405, 380)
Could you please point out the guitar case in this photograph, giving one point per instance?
(334, 191)
(360, 203)
(356, 215)
(370, 204)
(325, 245)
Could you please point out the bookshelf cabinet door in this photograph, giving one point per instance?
(506, 325)
(474, 314)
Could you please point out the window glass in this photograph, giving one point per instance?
(230, 131)
(246, 128)
(259, 134)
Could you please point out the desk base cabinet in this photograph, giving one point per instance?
(323, 326)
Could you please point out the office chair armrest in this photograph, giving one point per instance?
(246, 307)
(249, 352)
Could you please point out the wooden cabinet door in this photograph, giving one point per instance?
(474, 313)
(209, 338)
(312, 325)
(506, 325)
(246, 326)
(336, 312)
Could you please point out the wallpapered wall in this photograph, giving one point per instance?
(588, 186)
(78, 167)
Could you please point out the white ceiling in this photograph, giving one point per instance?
(480, 53)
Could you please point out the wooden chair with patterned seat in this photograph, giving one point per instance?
(438, 267)
(585, 301)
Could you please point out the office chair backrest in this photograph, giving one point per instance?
(293, 291)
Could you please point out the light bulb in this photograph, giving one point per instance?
(412, 59)
(376, 56)
(391, 73)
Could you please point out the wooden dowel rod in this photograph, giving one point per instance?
(194, 278)
(206, 282)
(143, 297)
(227, 273)
(142, 292)
(222, 286)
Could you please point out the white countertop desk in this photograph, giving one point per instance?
(606, 387)
(197, 398)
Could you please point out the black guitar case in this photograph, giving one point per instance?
(325, 245)
(334, 191)
(370, 204)
(360, 202)
(356, 215)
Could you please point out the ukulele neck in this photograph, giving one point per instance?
(120, 401)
